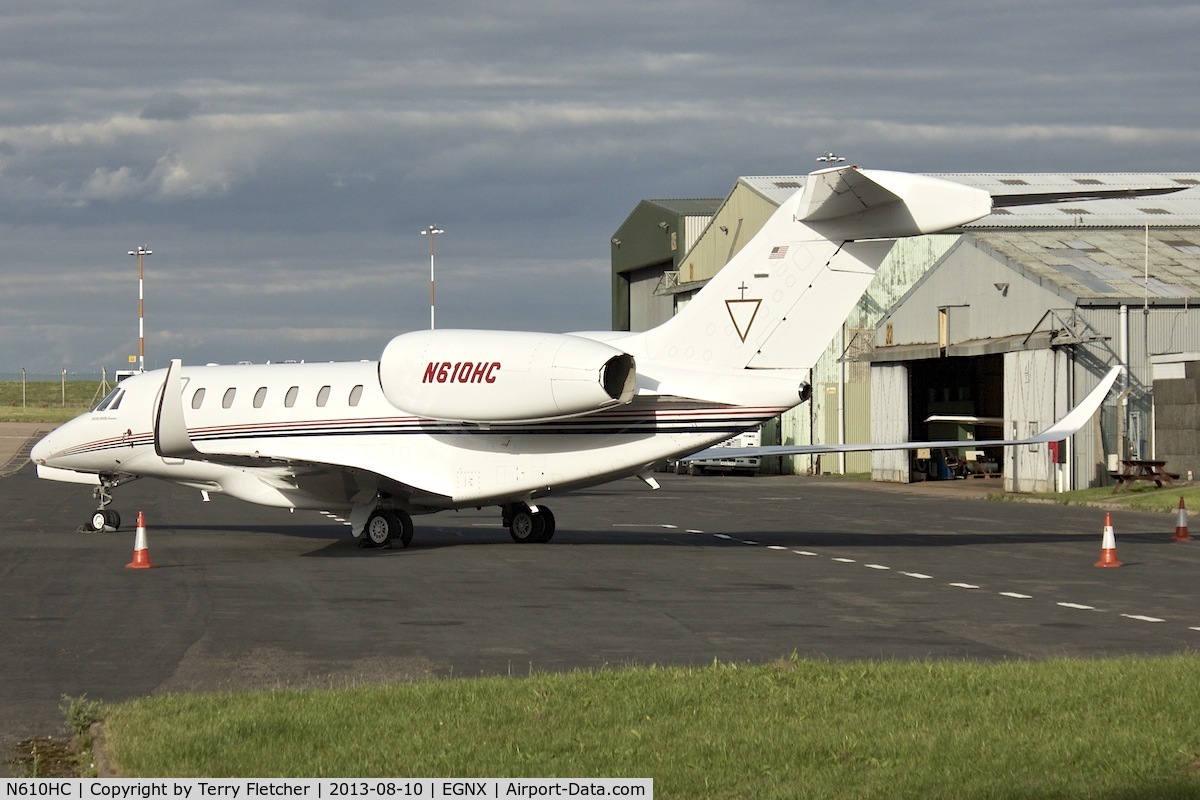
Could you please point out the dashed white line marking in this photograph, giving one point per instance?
(875, 566)
(747, 541)
(1077, 606)
(722, 536)
(1194, 628)
(1017, 595)
(964, 586)
(804, 552)
(689, 530)
(918, 575)
(844, 560)
(1141, 618)
(777, 547)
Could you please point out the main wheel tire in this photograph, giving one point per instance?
(381, 528)
(114, 520)
(548, 523)
(406, 527)
(526, 526)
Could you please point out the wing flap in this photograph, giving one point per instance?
(1065, 427)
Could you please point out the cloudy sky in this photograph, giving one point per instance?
(280, 157)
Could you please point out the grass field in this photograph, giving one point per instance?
(1081, 729)
(44, 402)
(1145, 497)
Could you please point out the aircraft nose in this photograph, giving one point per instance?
(42, 451)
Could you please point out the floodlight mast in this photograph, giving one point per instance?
(141, 253)
(432, 231)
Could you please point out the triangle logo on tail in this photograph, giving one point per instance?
(743, 312)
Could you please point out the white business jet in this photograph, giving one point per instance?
(469, 418)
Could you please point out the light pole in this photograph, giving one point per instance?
(141, 253)
(432, 231)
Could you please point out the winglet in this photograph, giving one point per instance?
(171, 438)
(1080, 414)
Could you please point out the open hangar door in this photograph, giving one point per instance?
(967, 393)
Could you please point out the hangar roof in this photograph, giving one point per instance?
(1101, 265)
(1177, 209)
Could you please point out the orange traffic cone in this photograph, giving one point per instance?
(1108, 549)
(141, 553)
(1181, 531)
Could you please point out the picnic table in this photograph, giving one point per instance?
(1134, 470)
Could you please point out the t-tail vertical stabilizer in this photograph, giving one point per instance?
(781, 299)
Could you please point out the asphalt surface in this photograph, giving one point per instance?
(736, 569)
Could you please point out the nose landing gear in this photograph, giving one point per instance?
(103, 519)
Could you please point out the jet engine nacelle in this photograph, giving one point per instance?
(503, 376)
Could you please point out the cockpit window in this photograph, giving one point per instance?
(111, 397)
(116, 403)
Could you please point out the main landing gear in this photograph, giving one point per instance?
(386, 525)
(527, 523)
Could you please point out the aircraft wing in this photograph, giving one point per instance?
(1067, 426)
(171, 440)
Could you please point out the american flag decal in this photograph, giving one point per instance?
(778, 252)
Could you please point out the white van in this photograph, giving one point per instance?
(745, 465)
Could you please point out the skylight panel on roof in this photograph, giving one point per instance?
(787, 184)
(1187, 181)
(1079, 211)
(1014, 182)
(1089, 181)
(1154, 211)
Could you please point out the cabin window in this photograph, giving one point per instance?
(260, 397)
(227, 400)
(198, 398)
(355, 395)
(289, 399)
(323, 397)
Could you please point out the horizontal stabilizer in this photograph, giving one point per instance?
(851, 203)
(1065, 427)
(1037, 199)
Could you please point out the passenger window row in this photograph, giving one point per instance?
(289, 398)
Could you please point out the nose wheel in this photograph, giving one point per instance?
(104, 520)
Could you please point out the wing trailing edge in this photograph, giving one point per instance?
(1070, 424)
